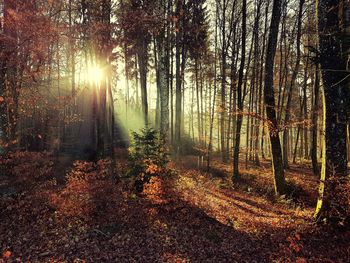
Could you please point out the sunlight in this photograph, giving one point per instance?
(94, 74)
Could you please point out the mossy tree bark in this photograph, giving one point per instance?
(333, 203)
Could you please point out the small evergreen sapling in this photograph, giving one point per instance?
(147, 157)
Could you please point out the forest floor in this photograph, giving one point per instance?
(66, 210)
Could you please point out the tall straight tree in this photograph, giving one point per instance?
(3, 108)
(269, 99)
(332, 202)
(212, 113)
(162, 69)
(9, 70)
(178, 74)
(315, 113)
(223, 5)
(292, 84)
(239, 93)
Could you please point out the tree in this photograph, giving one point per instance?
(315, 113)
(163, 76)
(8, 88)
(3, 111)
(292, 84)
(240, 95)
(333, 200)
(269, 99)
(179, 66)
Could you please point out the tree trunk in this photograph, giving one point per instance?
(178, 88)
(223, 84)
(142, 60)
(333, 200)
(157, 68)
(315, 112)
(240, 95)
(269, 99)
(163, 85)
(291, 87)
(3, 107)
(212, 106)
(10, 67)
(198, 102)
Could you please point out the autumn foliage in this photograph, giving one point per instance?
(20, 165)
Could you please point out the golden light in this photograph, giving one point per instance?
(94, 74)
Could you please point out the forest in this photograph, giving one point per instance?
(174, 131)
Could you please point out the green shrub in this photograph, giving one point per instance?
(147, 157)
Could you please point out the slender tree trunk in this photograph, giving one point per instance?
(240, 96)
(157, 67)
(212, 106)
(127, 76)
(202, 101)
(233, 95)
(142, 61)
(163, 77)
(291, 87)
(72, 55)
(269, 99)
(178, 89)
(315, 112)
(3, 107)
(11, 68)
(262, 109)
(171, 94)
(223, 83)
(198, 101)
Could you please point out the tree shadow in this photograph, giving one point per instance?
(158, 226)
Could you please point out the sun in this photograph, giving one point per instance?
(94, 74)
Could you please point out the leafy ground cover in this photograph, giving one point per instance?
(65, 210)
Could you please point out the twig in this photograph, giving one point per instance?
(100, 232)
(340, 81)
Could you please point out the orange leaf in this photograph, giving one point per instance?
(301, 260)
(2, 99)
(7, 254)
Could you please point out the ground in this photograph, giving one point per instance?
(65, 210)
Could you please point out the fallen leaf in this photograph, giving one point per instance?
(300, 260)
(7, 254)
